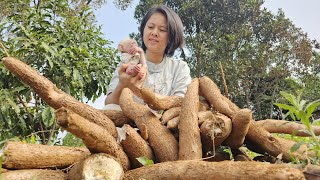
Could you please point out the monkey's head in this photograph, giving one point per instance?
(126, 44)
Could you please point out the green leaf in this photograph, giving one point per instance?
(24, 30)
(1, 155)
(316, 121)
(145, 161)
(85, 52)
(311, 107)
(47, 48)
(301, 114)
(296, 146)
(76, 74)
(50, 64)
(71, 140)
(66, 71)
(14, 105)
(287, 107)
(291, 98)
(48, 116)
(292, 116)
(161, 112)
(23, 124)
(33, 139)
(18, 89)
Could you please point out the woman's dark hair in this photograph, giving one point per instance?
(174, 24)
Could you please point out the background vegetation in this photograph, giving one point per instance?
(61, 40)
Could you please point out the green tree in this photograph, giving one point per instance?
(311, 80)
(63, 43)
(8, 7)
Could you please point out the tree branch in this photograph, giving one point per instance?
(51, 133)
(88, 2)
(25, 107)
(224, 80)
(38, 4)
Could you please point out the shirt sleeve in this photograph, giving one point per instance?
(181, 80)
(114, 80)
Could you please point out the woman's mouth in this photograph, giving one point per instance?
(153, 40)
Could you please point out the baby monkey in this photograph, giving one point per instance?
(133, 55)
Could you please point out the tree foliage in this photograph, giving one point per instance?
(9, 7)
(62, 42)
(261, 53)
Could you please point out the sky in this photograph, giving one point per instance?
(117, 24)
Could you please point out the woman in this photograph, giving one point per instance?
(162, 33)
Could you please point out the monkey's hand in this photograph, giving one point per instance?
(135, 49)
(131, 70)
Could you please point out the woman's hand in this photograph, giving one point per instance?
(132, 82)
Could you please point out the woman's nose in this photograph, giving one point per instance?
(154, 32)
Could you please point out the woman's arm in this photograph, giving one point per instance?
(113, 97)
(123, 80)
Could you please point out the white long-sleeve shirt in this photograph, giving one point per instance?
(170, 77)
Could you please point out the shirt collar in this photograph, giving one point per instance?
(154, 68)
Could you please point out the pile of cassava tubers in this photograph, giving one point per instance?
(183, 141)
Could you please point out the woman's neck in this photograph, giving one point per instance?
(154, 58)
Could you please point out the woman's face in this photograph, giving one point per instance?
(155, 34)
